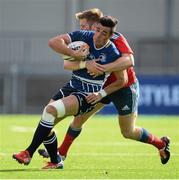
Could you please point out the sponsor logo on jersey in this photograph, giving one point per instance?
(102, 58)
(125, 108)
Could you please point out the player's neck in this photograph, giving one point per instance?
(99, 45)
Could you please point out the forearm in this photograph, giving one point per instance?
(122, 63)
(122, 80)
(59, 45)
(118, 84)
(74, 65)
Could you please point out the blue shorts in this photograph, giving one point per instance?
(67, 90)
(125, 100)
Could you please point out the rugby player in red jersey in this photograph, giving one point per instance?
(125, 99)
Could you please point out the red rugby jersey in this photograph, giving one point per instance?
(123, 46)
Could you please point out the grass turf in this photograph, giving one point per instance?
(99, 153)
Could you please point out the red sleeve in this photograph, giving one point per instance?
(122, 45)
(111, 78)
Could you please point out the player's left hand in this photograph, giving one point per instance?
(94, 98)
(94, 68)
(102, 67)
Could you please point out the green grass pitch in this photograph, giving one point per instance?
(99, 153)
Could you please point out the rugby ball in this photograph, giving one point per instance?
(76, 45)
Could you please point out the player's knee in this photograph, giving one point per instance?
(57, 108)
(48, 114)
(127, 133)
(51, 110)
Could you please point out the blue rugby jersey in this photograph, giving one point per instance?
(81, 79)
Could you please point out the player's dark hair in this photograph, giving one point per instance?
(109, 21)
(92, 15)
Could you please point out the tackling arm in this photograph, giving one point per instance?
(122, 80)
(122, 63)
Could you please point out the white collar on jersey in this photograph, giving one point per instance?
(106, 45)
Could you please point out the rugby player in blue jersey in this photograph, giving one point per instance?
(123, 99)
(71, 99)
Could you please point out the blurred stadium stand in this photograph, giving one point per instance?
(30, 72)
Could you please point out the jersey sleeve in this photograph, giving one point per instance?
(115, 54)
(79, 35)
(122, 45)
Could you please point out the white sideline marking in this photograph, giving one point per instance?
(22, 129)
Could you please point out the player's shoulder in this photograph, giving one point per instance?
(81, 35)
(85, 32)
(117, 36)
(82, 32)
(111, 44)
(112, 48)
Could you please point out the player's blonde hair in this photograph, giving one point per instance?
(92, 15)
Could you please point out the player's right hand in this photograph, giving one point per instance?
(81, 53)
